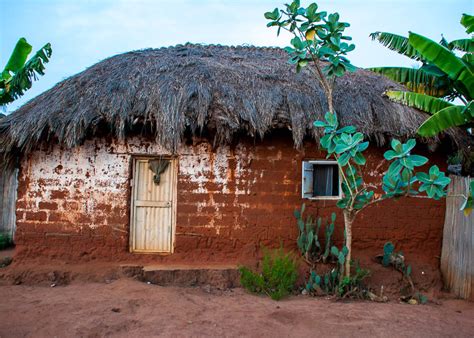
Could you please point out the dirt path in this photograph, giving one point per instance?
(127, 308)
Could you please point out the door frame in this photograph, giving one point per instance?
(174, 197)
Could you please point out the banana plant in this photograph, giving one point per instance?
(442, 77)
(19, 72)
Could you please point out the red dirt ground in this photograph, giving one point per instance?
(127, 308)
(96, 299)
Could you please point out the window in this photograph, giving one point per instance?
(321, 180)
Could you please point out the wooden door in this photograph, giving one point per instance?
(153, 206)
(8, 196)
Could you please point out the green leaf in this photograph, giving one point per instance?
(19, 55)
(423, 177)
(433, 184)
(347, 129)
(344, 159)
(342, 203)
(310, 241)
(418, 160)
(300, 224)
(311, 12)
(326, 140)
(359, 159)
(23, 77)
(396, 43)
(342, 147)
(341, 258)
(417, 80)
(468, 22)
(390, 155)
(334, 251)
(331, 119)
(317, 280)
(396, 145)
(388, 248)
(394, 168)
(406, 175)
(465, 45)
(363, 146)
(434, 172)
(358, 137)
(297, 43)
(423, 102)
(445, 118)
(302, 63)
(408, 146)
(442, 181)
(273, 15)
(445, 60)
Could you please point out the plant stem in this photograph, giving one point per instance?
(348, 220)
(327, 87)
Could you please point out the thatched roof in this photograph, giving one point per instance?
(222, 90)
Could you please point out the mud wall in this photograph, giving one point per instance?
(74, 204)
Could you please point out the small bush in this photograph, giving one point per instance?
(278, 276)
(353, 286)
(5, 241)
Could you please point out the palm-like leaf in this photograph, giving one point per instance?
(14, 86)
(17, 59)
(417, 80)
(423, 102)
(468, 22)
(464, 45)
(445, 60)
(468, 59)
(397, 43)
(444, 119)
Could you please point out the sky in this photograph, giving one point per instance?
(84, 32)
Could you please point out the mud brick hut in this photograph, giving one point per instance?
(200, 154)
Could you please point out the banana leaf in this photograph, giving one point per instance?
(468, 22)
(423, 102)
(19, 55)
(444, 119)
(22, 79)
(445, 60)
(464, 45)
(396, 43)
(417, 80)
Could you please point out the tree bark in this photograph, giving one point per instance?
(348, 220)
(330, 100)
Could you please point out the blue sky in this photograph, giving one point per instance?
(83, 32)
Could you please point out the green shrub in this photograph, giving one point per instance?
(5, 241)
(278, 276)
(353, 285)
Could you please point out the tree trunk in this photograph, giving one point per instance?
(348, 220)
(330, 100)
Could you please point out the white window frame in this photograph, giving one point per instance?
(321, 162)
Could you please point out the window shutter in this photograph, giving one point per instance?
(307, 189)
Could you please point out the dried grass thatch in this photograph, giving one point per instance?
(223, 90)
